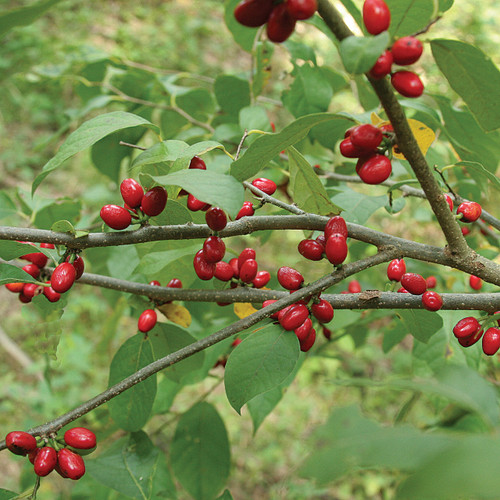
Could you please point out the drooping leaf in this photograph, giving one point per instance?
(420, 323)
(358, 207)
(409, 16)
(200, 452)
(176, 314)
(359, 54)
(13, 274)
(477, 171)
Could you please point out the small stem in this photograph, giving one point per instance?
(123, 143)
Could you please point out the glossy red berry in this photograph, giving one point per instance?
(37, 258)
(20, 443)
(322, 311)
(261, 279)
(366, 137)
(374, 169)
(302, 9)
(376, 16)
(266, 185)
(147, 320)
(80, 438)
(268, 303)
(336, 249)
(253, 13)
(30, 290)
(214, 249)
(396, 269)
(280, 24)
(116, 217)
(449, 200)
(335, 225)
(63, 277)
(431, 282)
(246, 253)
(471, 339)
(32, 269)
(303, 330)
(349, 150)
(466, 327)
(24, 298)
(203, 269)
(223, 271)
(327, 333)
(155, 283)
(294, 317)
(15, 287)
(45, 461)
(475, 282)
(194, 204)
(154, 201)
(432, 301)
(382, 66)
(407, 83)
(306, 344)
(174, 283)
(52, 296)
(216, 218)
(311, 249)
(132, 192)
(414, 283)
(236, 267)
(248, 270)
(290, 278)
(246, 210)
(71, 464)
(354, 286)
(407, 50)
(197, 162)
(470, 210)
(491, 341)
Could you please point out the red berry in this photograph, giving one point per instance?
(47, 245)
(289, 278)
(431, 282)
(154, 201)
(303, 330)
(349, 150)
(280, 24)
(131, 192)
(309, 341)
(268, 303)
(246, 210)
(470, 210)
(37, 258)
(475, 282)
(354, 286)
(247, 253)
(248, 270)
(396, 269)
(32, 455)
(366, 137)
(63, 277)
(374, 169)
(466, 327)
(116, 217)
(302, 9)
(311, 249)
(155, 283)
(15, 287)
(147, 320)
(321, 239)
(194, 204)
(407, 83)
(80, 438)
(261, 279)
(45, 461)
(327, 333)
(322, 311)
(24, 298)
(465, 230)
(336, 225)
(51, 295)
(432, 301)
(236, 268)
(376, 16)
(382, 66)
(266, 185)
(471, 339)
(414, 283)
(197, 162)
(30, 290)
(71, 465)
(174, 283)
(79, 266)
(336, 249)
(216, 218)
(294, 317)
(20, 443)
(214, 249)
(491, 341)
(253, 13)
(223, 271)
(407, 50)
(203, 269)
(32, 269)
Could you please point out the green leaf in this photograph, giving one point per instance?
(232, 93)
(131, 409)
(211, 187)
(409, 16)
(12, 274)
(476, 170)
(359, 54)
(306, 188)
(88, 134)
(12, 249)
(358, 207)
(24, 16)
(8, 209)
(63, 226)
(200, 452)
(445, 5)
(198, 103)
(261, 362)
(226, 495)
(242, 35)
(421, 324)
(268, 146)
(160, 152)
(473, 76)
(134, 468)
(262, 405)
(7, 494)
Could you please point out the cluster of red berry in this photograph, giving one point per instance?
(369, 144)
(295, 317)
(62, 455)
(138, 205)
(148, 318)
(469, 330)
(332, 244)
(61, 280)
(404, 52)
(280, 17)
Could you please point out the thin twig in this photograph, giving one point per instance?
(123, 143)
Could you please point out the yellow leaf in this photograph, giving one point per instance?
(376, 120)
(176, 314)
(243, 309)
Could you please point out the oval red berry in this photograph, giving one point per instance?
(154, 201)
(132, 192)
(147, 320)
(414, 283)
(80, 438)
(63, 277)
(116, 217)
(290, 278)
